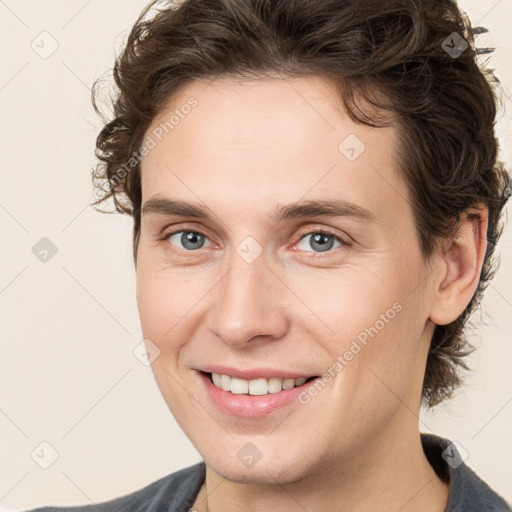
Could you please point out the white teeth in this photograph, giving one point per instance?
(225, 382)
(256, 386)
(216, 379)
(275, 385)
(288, 383)
(239, 386)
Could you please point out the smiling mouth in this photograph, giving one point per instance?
(256, 387)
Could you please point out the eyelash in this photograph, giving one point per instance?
(345, 243)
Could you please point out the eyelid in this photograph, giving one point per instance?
(165, 234)
(345, 240)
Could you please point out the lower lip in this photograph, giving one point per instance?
(251, 406)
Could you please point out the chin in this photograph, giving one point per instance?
(262, 472)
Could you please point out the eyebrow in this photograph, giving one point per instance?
(309, 208)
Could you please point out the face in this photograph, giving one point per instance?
(299, 260)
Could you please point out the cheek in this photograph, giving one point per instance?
(353, 306)
(159, 305)
(161, 292)
(152, 301)
(168, 302)
(384, 368)
(374, 330)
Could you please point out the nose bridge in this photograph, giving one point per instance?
(247, 302)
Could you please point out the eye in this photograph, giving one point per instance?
(321, 241)
(190, 240)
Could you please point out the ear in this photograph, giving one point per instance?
(461, 260)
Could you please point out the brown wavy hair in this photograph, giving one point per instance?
(383, 56)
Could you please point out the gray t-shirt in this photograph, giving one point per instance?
(177, 492)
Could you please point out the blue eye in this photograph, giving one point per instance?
(190, 240)
(322, 241)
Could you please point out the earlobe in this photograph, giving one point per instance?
(462, 259)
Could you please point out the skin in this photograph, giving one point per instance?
(245, 149)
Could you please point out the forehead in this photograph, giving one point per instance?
(270, 141)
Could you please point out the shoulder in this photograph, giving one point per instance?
(468, 492)
(177, 491)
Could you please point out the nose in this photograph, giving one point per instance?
(249, 304)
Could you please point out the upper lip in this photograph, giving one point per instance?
(253, 373)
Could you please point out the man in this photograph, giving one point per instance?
(316, 198)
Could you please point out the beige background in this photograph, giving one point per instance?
(68, 327)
